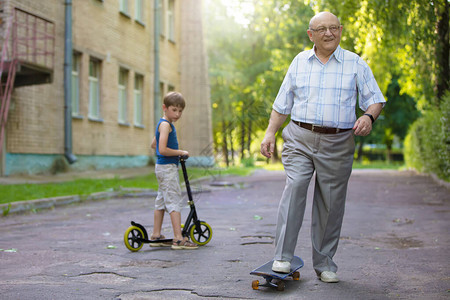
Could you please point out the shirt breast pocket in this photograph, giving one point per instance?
(348, 83)
(348, 89)
(302, 82)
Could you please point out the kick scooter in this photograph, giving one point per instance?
(199, 231)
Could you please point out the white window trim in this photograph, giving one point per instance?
(138, 101)
(122, 97)
(94, 100)
(124, 7)
(75, 82)
(139, 11)
(162, 16)
(171, 21)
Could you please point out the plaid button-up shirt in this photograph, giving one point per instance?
(326, 94)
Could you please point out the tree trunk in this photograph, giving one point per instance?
(275, 156)
(224, 143)
(242, 139)
(359, 157)
(389, 154)
(442, 48)
(230, 132)
(249, 135)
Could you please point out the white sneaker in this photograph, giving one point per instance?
(329, 276)
(281, 266)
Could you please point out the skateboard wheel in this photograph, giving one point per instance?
(255, 284)
(280, 286)
(133, 238)
(296, 276)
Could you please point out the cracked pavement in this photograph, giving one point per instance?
(394, 245)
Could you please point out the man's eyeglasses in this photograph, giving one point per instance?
(321, 30)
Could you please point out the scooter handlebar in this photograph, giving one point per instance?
(184, 157)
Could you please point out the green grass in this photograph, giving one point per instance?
(379, 165)
(84, 187)
(356, 165)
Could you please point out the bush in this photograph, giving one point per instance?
(248, 162)
(427, 145)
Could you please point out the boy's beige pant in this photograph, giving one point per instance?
(169, 191)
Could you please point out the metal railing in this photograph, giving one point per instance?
(33, 38)
(8, 64)
(27, 39)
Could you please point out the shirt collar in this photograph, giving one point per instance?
(338, 53)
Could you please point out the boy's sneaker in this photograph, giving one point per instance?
(160, 244)
(184, 245)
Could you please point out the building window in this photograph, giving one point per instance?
(139, 11)
(162, 19)
(138, 107)
(123, 91)
(76, 62)
(124, 7)
(162, 93)
(94, 89)
(170, 88)
(171, 20)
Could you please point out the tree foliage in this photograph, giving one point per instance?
(405, 42)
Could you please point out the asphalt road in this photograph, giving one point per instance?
(394, 245)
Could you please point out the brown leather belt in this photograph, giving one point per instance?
(320, 129)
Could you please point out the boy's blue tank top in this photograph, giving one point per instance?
(172, 143)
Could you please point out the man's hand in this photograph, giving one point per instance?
(363, 126)
(268, 145)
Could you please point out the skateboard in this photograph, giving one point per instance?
(275, 279)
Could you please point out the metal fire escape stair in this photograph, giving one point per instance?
(27, 55)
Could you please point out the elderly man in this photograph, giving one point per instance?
(319, 92)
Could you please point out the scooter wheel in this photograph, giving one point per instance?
(133, 238)
(202, 235)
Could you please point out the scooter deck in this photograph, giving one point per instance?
(275, 279)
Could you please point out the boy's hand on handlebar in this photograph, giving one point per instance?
(184, 153)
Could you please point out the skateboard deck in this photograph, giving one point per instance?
(275, 279)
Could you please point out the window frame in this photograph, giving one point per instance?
(122, 86)
(124, 7)
(76, 84)
(139, 11)
(94, 113)
(162, 18)
(138, 93)
(171, 20)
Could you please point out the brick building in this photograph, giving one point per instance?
(125, 56)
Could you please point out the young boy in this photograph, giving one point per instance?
(169, 192)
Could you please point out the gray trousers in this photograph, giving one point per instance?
(331, 156)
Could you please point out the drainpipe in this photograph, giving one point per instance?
(71, 158)
(156, 91)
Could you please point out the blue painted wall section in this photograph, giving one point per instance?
(18, 163)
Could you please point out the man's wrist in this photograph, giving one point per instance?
(371, 117)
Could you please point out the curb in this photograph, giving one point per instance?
(48, 203)
(440, 181)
